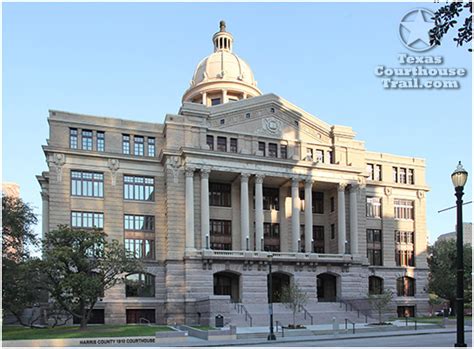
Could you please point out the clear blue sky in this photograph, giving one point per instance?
(134, 61)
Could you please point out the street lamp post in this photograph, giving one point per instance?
(459, 178)
(271, 336)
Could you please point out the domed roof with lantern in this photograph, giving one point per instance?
(222, 76)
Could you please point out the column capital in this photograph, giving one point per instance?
(362, 182)
(244, 177)
(190, 171)
(295, 181)
(342, 186)
(259, 178)
(354, 188)
(308, 182)
(205, 173)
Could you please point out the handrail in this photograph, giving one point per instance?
(306, 312)
(353, 307)
(144, 320)
(247, 314)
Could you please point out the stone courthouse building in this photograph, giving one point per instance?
(237, 176)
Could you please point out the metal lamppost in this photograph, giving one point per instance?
(271, 336)
(459, 178)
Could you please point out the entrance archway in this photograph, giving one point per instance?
(327, 287)
(227, 284)
(279, 281)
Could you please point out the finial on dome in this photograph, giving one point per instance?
(222, 26)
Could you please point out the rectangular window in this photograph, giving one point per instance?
(140, 248)
(210, 142)
(411, 176)
(87, 220)
(395, 174)
(403, 209)
(320, 155)
(318, 238)
(126, 144)
(100, 141)
(272, 150)
(139, 223)
(318, 202)
(261, 148)
(373, 207)
(73, 138)
(271, 237)
(332, 204)
(87, 139)
(374, 246)
(87, 184)
(233, 145)
(284, 151)
(378, 172)
(331, 157)
(403, 175)
(221, 144)
(271, 199)
(219, 195)
(333, 231)
(215, 101)
(309, 154)
(138, 188)
(221, 234)
(151, 146)
(404, 258)
(138, 146)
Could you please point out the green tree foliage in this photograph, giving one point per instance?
(293, 298)
(447, 17)
(18, 220)
(442, 264)
(78, 265)
(381, 302)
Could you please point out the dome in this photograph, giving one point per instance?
(222, 76)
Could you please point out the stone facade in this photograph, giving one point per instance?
(251, 145)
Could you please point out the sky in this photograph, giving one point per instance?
(134, 61)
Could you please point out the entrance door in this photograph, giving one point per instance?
(227, 284)
(326, 287)
(136, 316)
(279, 281)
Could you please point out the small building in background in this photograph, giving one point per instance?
(467, 234)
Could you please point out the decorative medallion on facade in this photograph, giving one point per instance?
(113, 165)
(57, 161)
(388, 191)
(173, 165)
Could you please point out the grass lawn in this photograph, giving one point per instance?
(204, 328)
(430, 319)
(18, 332)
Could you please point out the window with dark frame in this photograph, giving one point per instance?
(375, 285)
(395, 174)
(261, 148)
(220, 234)
(405, 287)
(140, 285)
(140, 248)
(138, 146)
(139, 223)
(220, 194)
(332, 203)
(271, 237)
(272, 150)
(126, 144)
(373, 207)
(73, 138)
(284, 151)
(233, 145)
(331, 157)
(215, 101)
(151, 146)
(318, 202)
(210, 142)
(333, 231)
(318, 238)
(374, 246)
(87, 220)
(403, 175)
(411, 176)
(86, 139)
(271, 199)
(138, 188)
(221, 144)
(320, 155)
(85, 183)
(100, 141)
(403, 209)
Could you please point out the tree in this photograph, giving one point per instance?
(381, 302)
(18, 220)
(78, 265)
(293, 298)
(446, 18)
(19, 272)
(442, 264)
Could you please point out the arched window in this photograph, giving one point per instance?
(405, 287)
(375, 285)
(140, 285)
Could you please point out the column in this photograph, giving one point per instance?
(224, 96)
(341, 219)
(205, 238)
(353, 219)
(259, 212)
(204, 98)
(45, 214)
(295, 214)
(189, 208)
(308, 215)
(244, 212)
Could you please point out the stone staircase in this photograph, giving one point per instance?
(251, 315)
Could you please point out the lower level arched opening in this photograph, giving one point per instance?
(227, 284)
(327, 289)
(279, 282)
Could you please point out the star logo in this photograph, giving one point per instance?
(414, 30)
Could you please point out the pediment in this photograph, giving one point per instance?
(273, 120)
